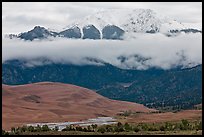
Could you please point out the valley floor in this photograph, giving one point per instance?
(160, 117)
(183, 127)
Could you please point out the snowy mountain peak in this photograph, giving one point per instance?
(118, 17)
(130, 20)
(114, 24)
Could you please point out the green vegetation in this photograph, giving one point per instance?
(181, 127)
(125, 113)
(129, 113)
(5, 132)
(171, 90)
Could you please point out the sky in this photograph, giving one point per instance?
(23, 16)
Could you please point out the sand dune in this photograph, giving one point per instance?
(57, 102)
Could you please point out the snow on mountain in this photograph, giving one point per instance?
(137, 20)
(115, 24)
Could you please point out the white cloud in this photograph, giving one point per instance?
(22, 16)
(159, 50)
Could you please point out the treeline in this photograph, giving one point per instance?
(119, 127)
(167, 126)
(19, 130)
(129, 113)
(174, 105)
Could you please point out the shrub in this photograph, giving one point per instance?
(89, 129)
(168, 126)
(162, 128)
(127, 127)
(127, 113)
(45, 128)
(181, 127)
(17, 131)
(145, 127)
(119, 129)
(109, 128)
(177, 126)
(23, 129)
(153, 129)
(199, 127)
(85, 129)
(136, 129)
(94, 126)
(31, 129)
(69, 128)
(185, 124)
(38, 128)
(5, 132)
(119, 124)
(78, 128)
(101, 129)
(13, 129)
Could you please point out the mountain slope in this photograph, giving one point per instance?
(15, 72)
(37, 33)
(180, 89)
(57, 102)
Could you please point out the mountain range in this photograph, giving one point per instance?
(115, 24)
